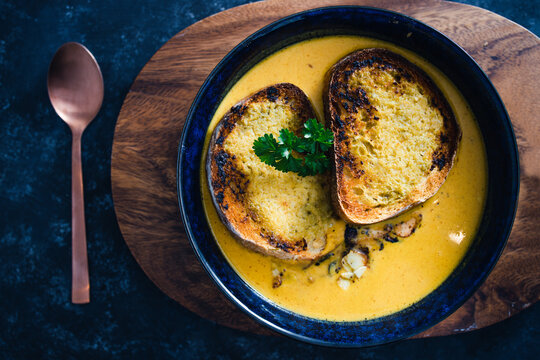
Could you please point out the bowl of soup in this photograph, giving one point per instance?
(411, 284)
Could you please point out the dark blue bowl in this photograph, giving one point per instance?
(503, 180)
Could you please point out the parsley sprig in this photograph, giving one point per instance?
(313, 144)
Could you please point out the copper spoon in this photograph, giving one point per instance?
(75, 88)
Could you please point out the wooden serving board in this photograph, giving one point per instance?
(149, 126)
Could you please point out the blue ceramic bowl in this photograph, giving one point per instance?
(498, 135)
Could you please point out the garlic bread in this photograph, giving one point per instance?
(276, 213)
(395, 135)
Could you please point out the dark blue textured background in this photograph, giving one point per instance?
(128, 316)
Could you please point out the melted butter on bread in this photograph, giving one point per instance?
(397, 148)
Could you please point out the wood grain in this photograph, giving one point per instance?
(150, 123)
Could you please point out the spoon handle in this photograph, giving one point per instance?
(80, 284)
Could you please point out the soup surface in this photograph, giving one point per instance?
(403, 272)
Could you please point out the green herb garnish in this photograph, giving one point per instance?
(313, 144)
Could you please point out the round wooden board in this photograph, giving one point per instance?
(149, 126)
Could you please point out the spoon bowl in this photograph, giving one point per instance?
(75, 86)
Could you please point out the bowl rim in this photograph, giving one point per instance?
(514, 160)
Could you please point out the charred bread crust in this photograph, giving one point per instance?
(338, 96)
(228, 184)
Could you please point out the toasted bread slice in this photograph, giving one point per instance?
(395, 136)
(278, 214)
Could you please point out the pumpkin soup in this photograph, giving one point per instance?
(433, 236)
